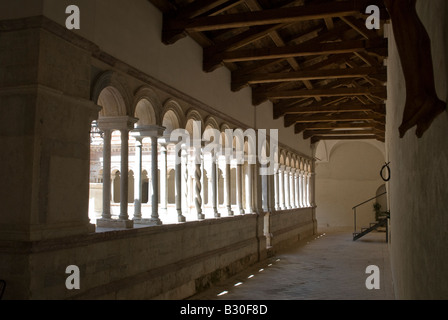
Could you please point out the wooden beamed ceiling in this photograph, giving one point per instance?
(315, 60)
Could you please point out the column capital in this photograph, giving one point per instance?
(116, 123)
(148, 131)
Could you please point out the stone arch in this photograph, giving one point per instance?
(223, 141)
(288, 159)
(194, 123)
(282, 160)
(110, 92)
(147, 107)
(172, 116)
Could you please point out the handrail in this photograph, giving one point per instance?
(369, 200)
(354, 208)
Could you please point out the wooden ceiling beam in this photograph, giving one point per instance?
(311, 133)
(289, 120)
(380, 92)
(316, 139)
(301, 127)
(256, 78)
(321, 37)
(174, 29)
(301, 50)
(359, 26)
(344, 107)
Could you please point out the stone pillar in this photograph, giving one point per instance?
(239, 188)
(178, 185)
(138, 179)
(227, 188)
(249, 184)
(106, 174)
(287, 188)
(124, 124)
(163, 178)
(124, 169)
(186, 203)
(308, 177)
(281, 183)
(153, 132)
(213, 185)
(155, 186)
(198, 184)
(296, 181)
(302, 172)
(264, 190)
(276, 188)
(292, 187)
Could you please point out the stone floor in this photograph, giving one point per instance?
(329, 266)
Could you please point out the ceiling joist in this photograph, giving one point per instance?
(315, 61)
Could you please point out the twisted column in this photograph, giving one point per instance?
(198, 184)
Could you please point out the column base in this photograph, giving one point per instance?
(217, 214)
(230, 213)
(114, 223)
(201, 216)
(149, 222)
(181, 218)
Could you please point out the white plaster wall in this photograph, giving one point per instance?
(418, 188)
(350, 177)
(131, 31)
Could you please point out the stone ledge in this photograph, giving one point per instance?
(114, 223)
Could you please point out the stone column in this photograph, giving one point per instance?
(155, 186)
(178, 185)
(264, 190)
(198, 184)
(302, 172)
(186, 204)
(239, 187)
(124, 181)
(287, 188)
(249, 184)
(213, 185)
(124, 124)
(308, 201)
(296, 181)
(292, 187)
(138, 179)
(227, 188)
(106, 174)
(281, 183)
(163, 178)
(276, 188)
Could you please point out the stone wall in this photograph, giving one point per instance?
(418, 188)
(163, 262)
(290, 226)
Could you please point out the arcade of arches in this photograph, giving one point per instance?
(222, 186)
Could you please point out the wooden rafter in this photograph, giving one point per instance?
(300, 127)
(174, 29)
(317, 63)
(338, 92)
(256, 78)
(340, 117)
(345, 107)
